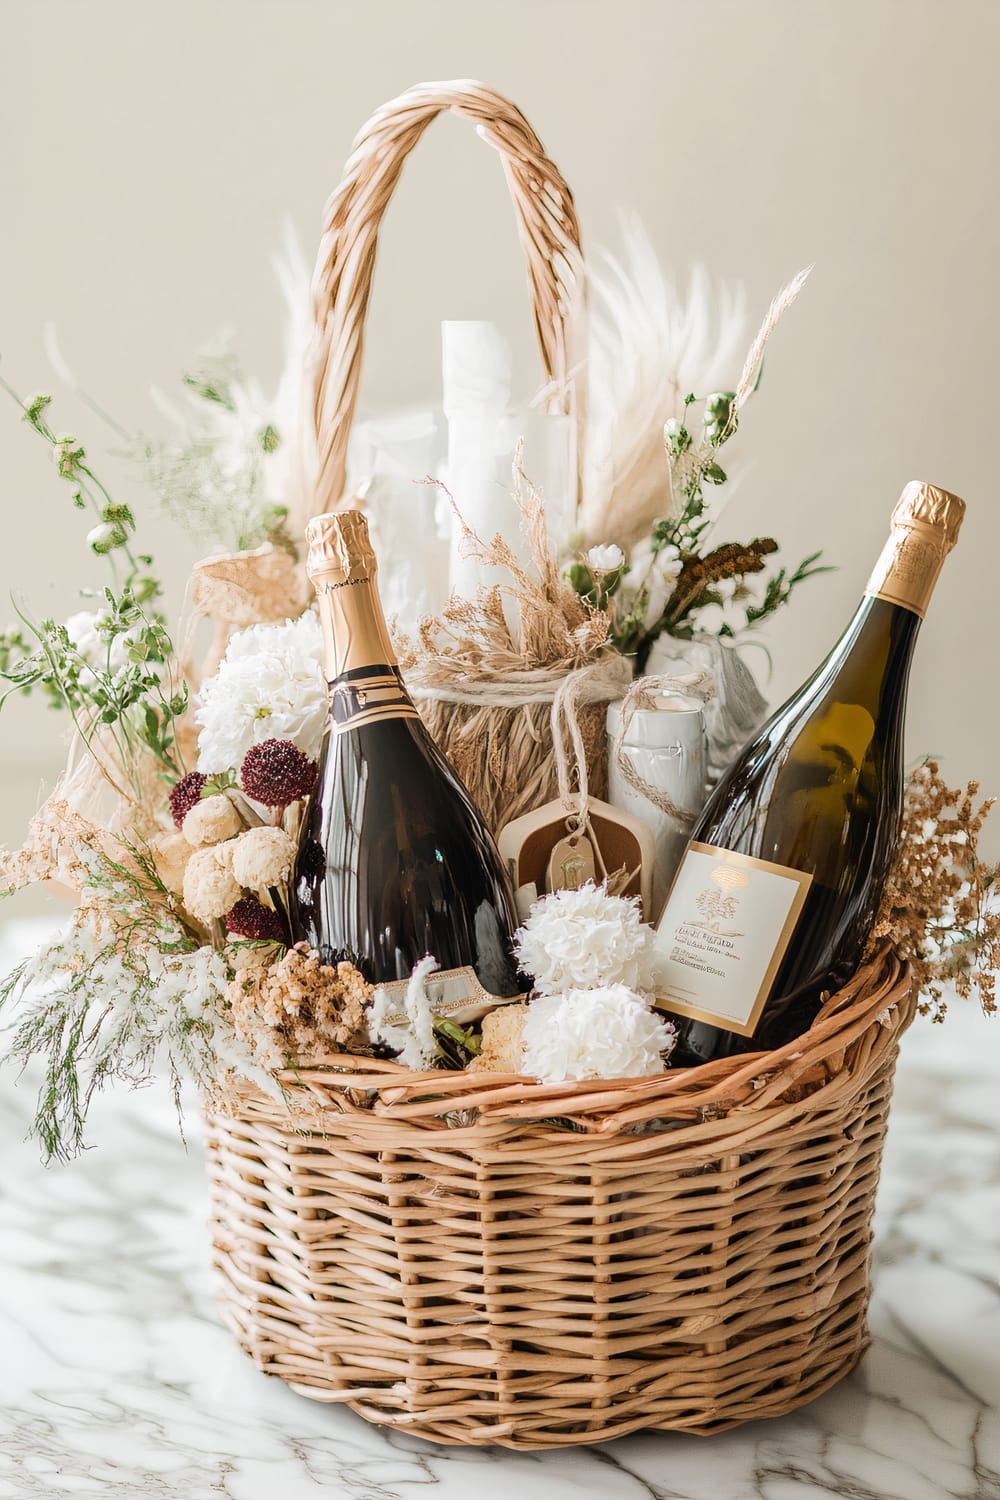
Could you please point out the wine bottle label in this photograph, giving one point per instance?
(368, 694)
(455, 994)
(723, 933)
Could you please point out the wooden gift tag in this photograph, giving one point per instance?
(547, 850)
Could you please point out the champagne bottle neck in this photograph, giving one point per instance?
(871, 661)
(355, 634)
(909, 564)
(361, 667)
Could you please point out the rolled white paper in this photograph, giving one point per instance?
(476, 369)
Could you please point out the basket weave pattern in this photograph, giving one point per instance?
(488, 1260)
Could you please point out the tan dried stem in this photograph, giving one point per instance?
(751, 366)
(471, 639)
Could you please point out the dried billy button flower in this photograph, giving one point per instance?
(184, 796)
(299, 1008)
(250, 918)
(277, 772)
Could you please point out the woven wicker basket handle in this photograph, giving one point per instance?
(547, 227)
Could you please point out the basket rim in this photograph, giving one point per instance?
(878, 998)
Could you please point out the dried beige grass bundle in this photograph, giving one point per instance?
(486, 686)
(557, 631)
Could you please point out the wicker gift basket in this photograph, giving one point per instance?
(485, 1259)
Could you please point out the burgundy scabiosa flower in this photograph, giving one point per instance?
(185, 794)
(250, 918)
(277, 772)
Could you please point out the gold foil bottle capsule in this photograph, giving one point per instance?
(925, 527)
(340, 548)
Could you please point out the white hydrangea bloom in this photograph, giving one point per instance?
(601, 1033)
(269, 685)
(582, 939)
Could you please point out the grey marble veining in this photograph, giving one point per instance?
(117, 1380)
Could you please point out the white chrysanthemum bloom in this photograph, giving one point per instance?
(603, 1033)
(210, 888)
(582, 939)
(605, 559)
(261, 857)
(269, 685)
(210, 821)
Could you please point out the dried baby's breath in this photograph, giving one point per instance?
(298, 1007)
(939, 908)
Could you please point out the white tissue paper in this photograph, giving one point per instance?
(410, 521)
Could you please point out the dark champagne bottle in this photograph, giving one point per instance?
(394, 861)
(778, 890)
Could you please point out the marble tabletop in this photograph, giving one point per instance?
(116, 1378)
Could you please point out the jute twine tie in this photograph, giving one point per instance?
(603, 682)
(643, 695)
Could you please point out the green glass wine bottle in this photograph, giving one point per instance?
(778, 890)
(395, 862)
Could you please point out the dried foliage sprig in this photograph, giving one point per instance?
(940, 908)
(215, 477)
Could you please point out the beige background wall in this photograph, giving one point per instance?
(150, 153)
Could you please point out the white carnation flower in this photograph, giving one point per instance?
(270, 685)
(582, 939)
(602, 1033)
(606, 559)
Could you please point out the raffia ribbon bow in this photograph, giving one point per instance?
(238, 589)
